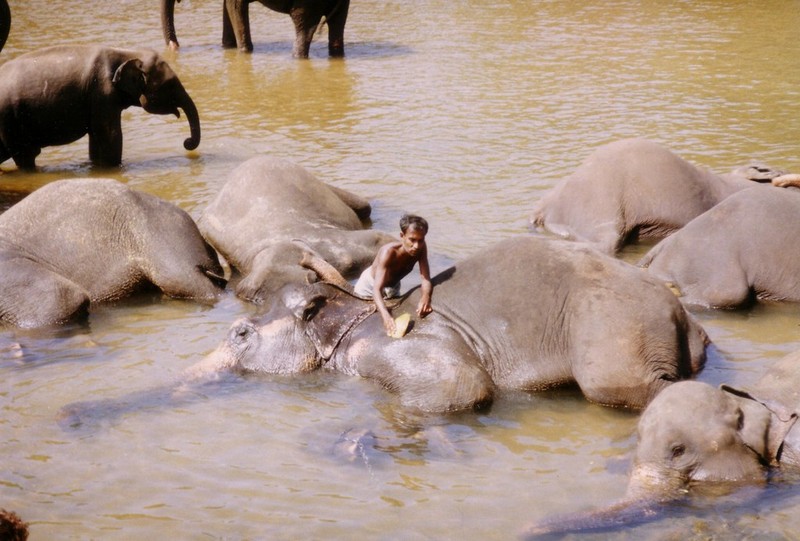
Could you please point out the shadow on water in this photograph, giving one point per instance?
(352, 50)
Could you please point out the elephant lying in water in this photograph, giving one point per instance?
(527, 313)
(79, 241)
(636, 187)
(693, 433)
(56, 95)
(271, 211)
(745, 248)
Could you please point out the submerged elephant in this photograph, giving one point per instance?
(695, 434)
(745, 248)
(271, 211)
(636, 188)
(306, 16)
(56, 95)
(527, 313)
(80, 241)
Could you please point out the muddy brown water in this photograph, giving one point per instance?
(464, 112)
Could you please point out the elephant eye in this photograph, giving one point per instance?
(678, 450)
(241, 332)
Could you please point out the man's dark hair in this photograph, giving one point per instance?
(12, 528)
(417, 222)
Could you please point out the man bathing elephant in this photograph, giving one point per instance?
(394, 261)
(80, 241)
(694, 434)
(270, 211)
(527, 313)
(636, 187)
(56, 95)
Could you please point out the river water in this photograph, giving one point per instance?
(463, 112)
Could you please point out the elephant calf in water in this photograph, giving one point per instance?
(635, 187)
(56, 95)
(527, 313)
(79, 241)
(745, 248)
(270, 211)
(694, 433)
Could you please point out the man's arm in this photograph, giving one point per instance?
(377, 290)
(426, 286)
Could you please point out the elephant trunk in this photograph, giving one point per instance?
(193, 117)
(649, 489)
(168, 23)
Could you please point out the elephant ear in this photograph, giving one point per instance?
(130, 79)
(330, 314)
(763, 425)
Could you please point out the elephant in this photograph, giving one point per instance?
(306, 16)
(636, 188)
(695, 435)
(80, 241)
(271, 211)
(743, 249)
(524, 314)
(5, 22)
(56, 95)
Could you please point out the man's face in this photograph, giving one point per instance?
(413, 241)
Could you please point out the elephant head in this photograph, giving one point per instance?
(693, 432)
(149, 82)
(690, 435)
(299, 332)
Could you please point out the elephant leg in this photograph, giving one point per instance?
(336, 21)
(304, 27)
(105, 138)
(236, 25)
(33, 296)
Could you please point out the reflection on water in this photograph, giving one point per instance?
(464, 112)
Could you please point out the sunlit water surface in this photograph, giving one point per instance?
(464, 112)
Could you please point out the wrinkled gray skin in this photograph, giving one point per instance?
(694, 434)
(527, 313)
(271, 211)
(80, 241)
(56, 95)
(636, 188)
(306, 16)
(745, 248)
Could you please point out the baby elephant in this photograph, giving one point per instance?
(693, 433)
(76, 242)
(57, 95)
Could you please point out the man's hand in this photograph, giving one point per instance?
(388, 324)
(424, 307)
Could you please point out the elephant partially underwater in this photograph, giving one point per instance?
(81, 241)
(271, 211)
(694, 434)
(744, 249)
(527, 313)
(636, 188)
(56, 95)
(306, 16)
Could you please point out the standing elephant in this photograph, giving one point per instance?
(693, 434)
(745, 248)
(271, 211)
(306, 16)
(525, 314)
(635, 187)
(5, 22)
(81, 241)
(56, 95)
